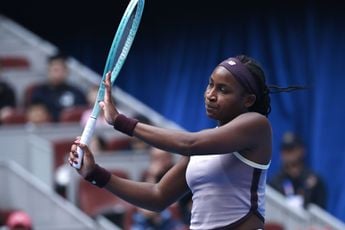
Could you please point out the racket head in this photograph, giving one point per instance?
(117, 55)
(121, 45)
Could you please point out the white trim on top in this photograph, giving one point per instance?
(251, 163)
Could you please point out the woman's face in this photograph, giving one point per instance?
(224, 97)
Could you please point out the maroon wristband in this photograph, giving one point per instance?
(125, 124)
(98, 176)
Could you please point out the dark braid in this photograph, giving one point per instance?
(262, 104)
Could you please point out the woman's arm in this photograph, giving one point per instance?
(245, 132)
(249, 132)
(155, 197)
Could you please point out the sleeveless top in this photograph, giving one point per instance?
(226, 189)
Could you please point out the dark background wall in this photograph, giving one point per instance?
(180, 42)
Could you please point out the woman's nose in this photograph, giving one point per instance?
(210, 95)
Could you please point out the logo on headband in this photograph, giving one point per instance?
(231, 62)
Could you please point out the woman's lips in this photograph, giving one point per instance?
(210, 107)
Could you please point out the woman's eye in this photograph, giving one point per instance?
(222, 89)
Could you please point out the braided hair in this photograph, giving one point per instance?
(262, 104)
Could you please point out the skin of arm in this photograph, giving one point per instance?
(248, 133)
(230, 137)
(151, 196)
(154, 197)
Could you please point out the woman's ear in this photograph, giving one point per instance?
(249, 100)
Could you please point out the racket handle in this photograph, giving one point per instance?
(85, 139)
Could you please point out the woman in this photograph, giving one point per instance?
(225, 167)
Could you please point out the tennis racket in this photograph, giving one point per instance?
(118, 52)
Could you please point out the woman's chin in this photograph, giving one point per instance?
(211, 115)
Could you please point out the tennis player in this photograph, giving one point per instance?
(225, 167)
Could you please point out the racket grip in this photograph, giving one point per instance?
(85, 139)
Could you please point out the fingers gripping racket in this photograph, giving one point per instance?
(117, 55)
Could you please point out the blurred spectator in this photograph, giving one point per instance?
(19, 220)
(98, 144)
(142, 219)
(295, 180)
(160, 161)
(135, 143)
(56, 93)
(132, 144)
(185, 207)
(91, 98)
(37, 114)
(7, 99)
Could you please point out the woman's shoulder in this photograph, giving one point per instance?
(259, 131)
(253, 118)
(254, 125)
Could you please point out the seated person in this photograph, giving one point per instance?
(185, 207)
(160, 161)
(57, 93)
(37, 114)
(143, 219)
(295, 180)
(7, 99)
(136, 144)
(163, 159)
(19, 220)
(98, 143)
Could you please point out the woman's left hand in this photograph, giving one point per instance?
(107, 105)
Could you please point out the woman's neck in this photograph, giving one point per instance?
(223, 122)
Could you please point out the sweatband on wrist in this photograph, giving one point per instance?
(125, 124)
(98, 176)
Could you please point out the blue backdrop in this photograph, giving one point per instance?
(180, 42)
(169, 68)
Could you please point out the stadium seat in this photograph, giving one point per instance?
(117, 143)
(14, 116)
(14, 62)
(61, 149)
(72, 114)
(273, 226)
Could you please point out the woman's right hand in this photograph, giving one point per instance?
(107, 105)
(88, 163)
